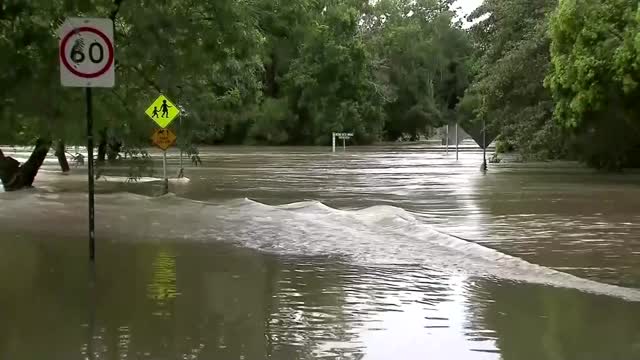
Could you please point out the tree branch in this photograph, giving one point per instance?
(149, 81)
(123, 101)
(114, 12)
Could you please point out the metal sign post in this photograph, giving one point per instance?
(457, 143)
(92, 200)
(181, 171)
(87, 57)
(164, 171)
(333, 141)
(484, 146)
(447, 141)
(164, 139)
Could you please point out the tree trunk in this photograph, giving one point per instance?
(62, 156)
(8, 169)
(271, 73)
(113, 149)
(102, 147)
(16, 177)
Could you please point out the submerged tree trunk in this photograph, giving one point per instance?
(14, 176)
(102, 147)
(113, 149)
(8, 168)
(62, 156)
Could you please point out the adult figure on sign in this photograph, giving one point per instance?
(165, 109)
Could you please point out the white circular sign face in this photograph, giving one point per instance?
(87, 55)
(87, 52)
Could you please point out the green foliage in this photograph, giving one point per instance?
(176, 47)
(558, 79)
(318, 67)
(271, 122)
(256, 71)
(504, 146)
(551, 78)
(421, 56)
(594, 78)
(511, 62)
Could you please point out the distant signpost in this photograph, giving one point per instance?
(87, 57)
(343, 136)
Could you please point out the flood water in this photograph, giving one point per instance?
(396, 252)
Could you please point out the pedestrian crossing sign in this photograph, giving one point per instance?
(162, 111)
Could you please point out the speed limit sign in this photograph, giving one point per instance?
(87, 53)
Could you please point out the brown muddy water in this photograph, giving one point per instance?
(394, 252)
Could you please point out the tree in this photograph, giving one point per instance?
(30, 106)
(255, 71)
(510, 64)
(156, 44)
(15, 176)
(420, 55)
(594, 78)
(331, 84)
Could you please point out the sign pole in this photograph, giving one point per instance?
(164, 167)
(181, 173)
(87, 67)
(484, 139)
(333, 140)
(344, 144)
(447, 132)
(164, 139)
(92, 232)
(457, 143)
(484, 145)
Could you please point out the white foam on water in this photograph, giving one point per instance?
(182, 180)
(144, 179)
(379, 235)
(387, 234)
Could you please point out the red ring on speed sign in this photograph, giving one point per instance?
(101, 35)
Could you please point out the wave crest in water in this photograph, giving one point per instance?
(387, 234)
(378, 235)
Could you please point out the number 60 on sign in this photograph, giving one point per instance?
(87, 53)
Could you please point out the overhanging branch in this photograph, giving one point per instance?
(122, 101)
(144, 77)
(114, 12)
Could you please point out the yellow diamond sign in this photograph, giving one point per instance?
(163, 138)
(162, 111)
